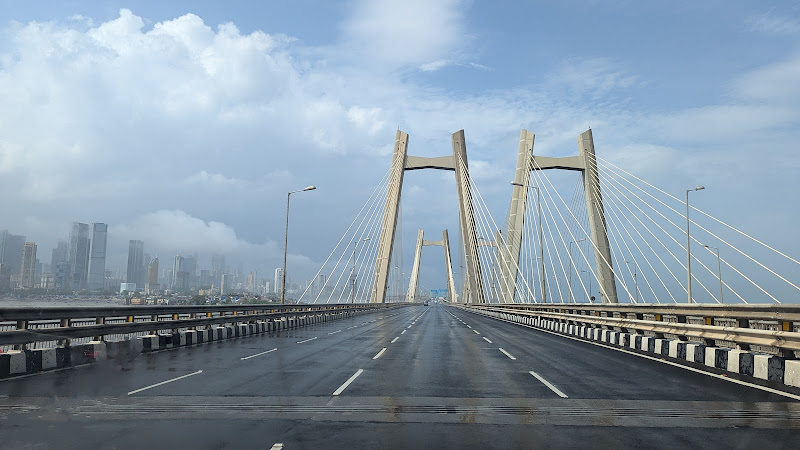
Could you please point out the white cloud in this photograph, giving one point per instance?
(769, 22)
(405, 33)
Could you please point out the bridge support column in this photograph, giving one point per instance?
(473, 283)
(413, 283)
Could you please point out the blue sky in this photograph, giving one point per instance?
(181, 122)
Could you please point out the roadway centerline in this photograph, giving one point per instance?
(334, 332)
(487, 339)
(395, 339)
(259, 354)
(510, 356)
(164, 382)
(306, 340)
(379, 353)
(347, 383)
(547, 383)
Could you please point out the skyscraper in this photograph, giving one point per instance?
(217, 266)
(152, 277)
(59, 255)
(28, 262)
(11, 251)
(276, 285)
(79, 255)
(97, 257)
(136, 263)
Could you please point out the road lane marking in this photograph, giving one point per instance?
(408, 326)
(379, 353)
(476, 331)
(487, 339)
(468, 326)
(300, 342)
(510, 356)
(347, 383)
(259, 354)
(334, 332)
(277, 446)
(354, 326)
(547, 383)
(404, 332)
(164, 382)
(395, 339)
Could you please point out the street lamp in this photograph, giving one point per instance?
(719, 270)
(635, 281)
(590, 284)
(286, 241)
(688, 251)
(353, 271)
(571, 268)
(541, 248)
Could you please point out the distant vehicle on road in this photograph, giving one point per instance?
(426, 303)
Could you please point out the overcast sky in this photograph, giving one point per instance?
(184, 123)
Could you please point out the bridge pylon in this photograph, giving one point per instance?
(585, 162)
(413, 284)
(457, 162)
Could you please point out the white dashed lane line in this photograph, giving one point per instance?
(487, 339)
(379, 353)
(395, 339)
(306, 340)
(259, 354)
(347, 383)
(334, 332)
(164, 382)
(547, 383)
(404, 332)
(510, 356)
(476, 331)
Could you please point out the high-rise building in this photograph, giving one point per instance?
(224, 284)
(11, 251)
(28, 270)
(152, 277)
(276, 285)
(252, 280)
(97, 257)
(177, 268)
(136, 263)
(217, 266)
(59, 255)
(79, 255)
(61, 275)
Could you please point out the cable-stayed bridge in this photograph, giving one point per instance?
(601, 311)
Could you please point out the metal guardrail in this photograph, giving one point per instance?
(769, 328)
(25, 326)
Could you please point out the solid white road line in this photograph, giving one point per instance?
(510, 356)
(164, 382)
(395, 339)
(404, 332)
(259, 354)
(547, 383)
(300, 342)
(487, 339)
(347, 383)
(379, 353)
(476, 331)
(334, 332)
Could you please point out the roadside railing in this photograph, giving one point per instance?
(34, 328)
(771, 329)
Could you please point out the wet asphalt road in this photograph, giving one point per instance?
(413, 377)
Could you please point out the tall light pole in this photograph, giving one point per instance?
(353, 271)
(589, 274)
(571, 268)
(719, 270)
(688, 251)
(286, 241)
(635, 281)
(541, 248)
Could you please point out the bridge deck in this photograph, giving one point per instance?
(443, 380)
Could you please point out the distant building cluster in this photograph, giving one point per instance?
(79, 264)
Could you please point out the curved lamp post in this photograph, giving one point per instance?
(286, 241)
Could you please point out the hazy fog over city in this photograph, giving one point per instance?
(184, 124)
